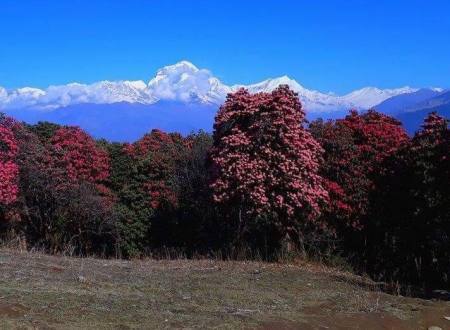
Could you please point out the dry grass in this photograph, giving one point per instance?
(38, 291)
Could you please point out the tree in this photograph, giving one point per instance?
(77, 152)
(266, 163)
(132, 207)
(157, 153)
(413, 209)
(44, 130)
(58, 212)
(341, 173)
(8, 167)
(195, 228)
(142, 178)
(355, 148)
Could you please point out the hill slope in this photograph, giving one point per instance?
(433, 102)
(401, 103)
(45, 292)
(412, 116)
(413, 120)
(126, 122)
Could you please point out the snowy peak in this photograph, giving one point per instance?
(180, 67)
(317, 101)
(102, 92)
(184, 82)
(370, 96)
(312, 100)
(120, 91)
(269, 85)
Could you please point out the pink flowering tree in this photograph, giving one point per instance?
(64, 195)
(77, 153)
(157, 154)
(265, 163)
(355, 150)
(410, 228)
(8, 168)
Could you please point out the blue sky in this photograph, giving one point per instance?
(326, 45)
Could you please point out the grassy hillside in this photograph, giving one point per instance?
(48, 292)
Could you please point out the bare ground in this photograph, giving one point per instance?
(38, 291)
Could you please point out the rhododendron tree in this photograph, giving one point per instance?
(141, 175)
(355, 148)
(376, 135)
(58, 211)
(413, 210)
(157, 154)
(265, 162)
(155, 141)
(77, 152)
(8, 168)
(341, 172)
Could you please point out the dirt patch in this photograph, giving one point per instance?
(12, 310)
(373, 321)
(434, 315)
(423, 319)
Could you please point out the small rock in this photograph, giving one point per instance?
(244, 312)
(82, 279)
(447, 318)
(433, 327)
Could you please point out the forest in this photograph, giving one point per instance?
(266, 184)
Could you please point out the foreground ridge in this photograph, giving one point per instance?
(99, 293)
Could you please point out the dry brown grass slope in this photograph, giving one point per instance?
(38, 291)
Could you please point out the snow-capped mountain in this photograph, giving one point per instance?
(408, 102)
(370, 96)
(103, 92)
(183, 82)
(312, 100)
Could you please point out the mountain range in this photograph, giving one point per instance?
(184, 98)
(411, 109)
